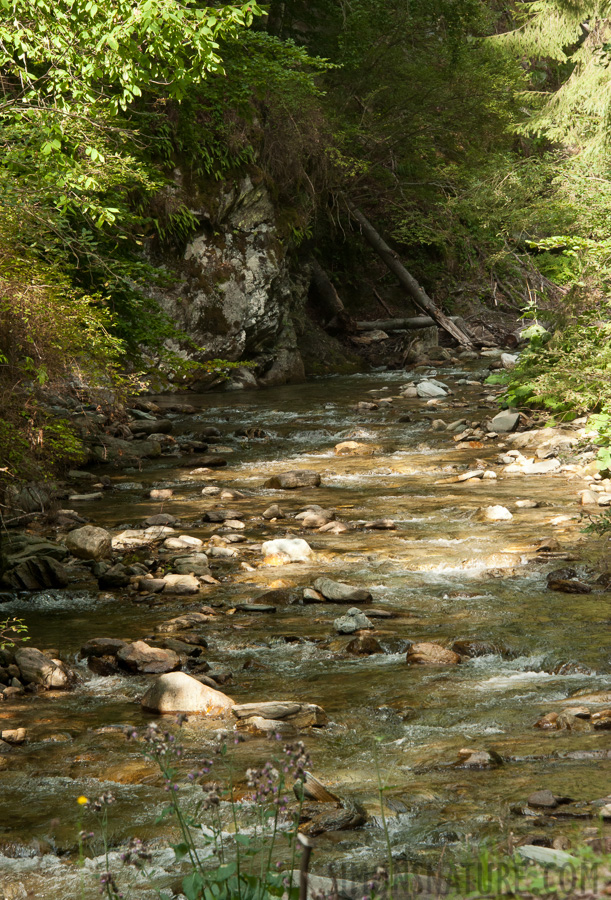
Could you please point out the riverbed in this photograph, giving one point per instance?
(442, 574)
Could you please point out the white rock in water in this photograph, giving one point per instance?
(508, 360)
(179, 692)
(494, 514)
(292, 549)
(428, 389)
(183, 542)
(126, 540)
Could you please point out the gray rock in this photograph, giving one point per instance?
(288, 481)
(353, 621)
(36, 575)
(89, 542)
(340, 592)
(273, 512)
(194, 564)
(505, 421)
(114, 577)
(429, 390)
(154, 426)
(179, 692)
(102, 647)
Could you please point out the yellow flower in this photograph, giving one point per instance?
(82, 801)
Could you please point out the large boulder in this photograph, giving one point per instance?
(179, 692)
(289, 481)
(36, 574)
(36, 668)
(142, 659)
(89, 542)
(339, 592)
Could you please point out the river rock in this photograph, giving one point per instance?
(285, 550)
(221, 515)
(478, 759)
(182, 542)
(429, 654)
(161, 519)
(353, 621)
(36, 575)
(102, 647)
(274, 512)
(14, 736)
(542, 800)
(589, 498)
(493, 514)
(364, 645)
(339, 592)
(142, 659)
(177, 692)
(505, 421)
(131, 539)
(352, 448)
(430, 389)
(312, 596)
(293, 712)
(89, 542)
(315, 517)
(152, 426)
(288, 481)
(36, 668)
(381, 525)
(334, 528)
(194, 564)
(114, 577)
(181, 584)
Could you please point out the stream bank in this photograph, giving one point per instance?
(445, 571)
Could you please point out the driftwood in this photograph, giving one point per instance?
(400, 324)
(407, 281)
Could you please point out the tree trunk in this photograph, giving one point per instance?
(325, 290)
(400, 324)
(407, 281)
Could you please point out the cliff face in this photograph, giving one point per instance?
(237, 296)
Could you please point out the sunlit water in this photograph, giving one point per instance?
(443, 574)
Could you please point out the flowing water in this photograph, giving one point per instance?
(443, 574)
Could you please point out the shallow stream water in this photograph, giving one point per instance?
(445, 576)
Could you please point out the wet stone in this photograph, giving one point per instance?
(429, 654)
(289, 481)
(542, 800)
(353, 621)
(339, 592)
(143, 659)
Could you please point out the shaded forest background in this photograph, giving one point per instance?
(474, 135)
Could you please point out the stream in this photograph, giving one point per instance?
(444, 576)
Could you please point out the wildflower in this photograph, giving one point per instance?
(82, 801)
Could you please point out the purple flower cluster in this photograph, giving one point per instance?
(296, 761)
(103, 801)
(108, 886)
(136, 854)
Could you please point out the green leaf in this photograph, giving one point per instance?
(180, 850)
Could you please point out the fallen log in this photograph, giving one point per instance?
(400, 324)
(407, 281)
(325, 289)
